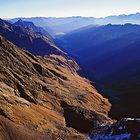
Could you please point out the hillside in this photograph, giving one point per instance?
(44, 97)
(110, 56)
(83, 40)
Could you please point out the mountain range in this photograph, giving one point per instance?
(42, 95)
(59, 26)
(45, 64)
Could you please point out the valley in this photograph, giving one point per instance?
(74, 78)
(110, 58)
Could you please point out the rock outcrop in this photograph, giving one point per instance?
(44, 98)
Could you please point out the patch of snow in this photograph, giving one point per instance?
(129, 119)
(120, 128)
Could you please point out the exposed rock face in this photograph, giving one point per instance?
(38, 93)
(82, 119)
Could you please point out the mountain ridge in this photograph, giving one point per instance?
(25, 38)
(30, 25)
(64, 25)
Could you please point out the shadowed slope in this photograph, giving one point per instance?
(27, 39)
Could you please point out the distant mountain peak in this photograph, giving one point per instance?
(22, 23)
(30, 25)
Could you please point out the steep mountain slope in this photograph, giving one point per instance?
(110, 56)
(27, 39)
(30, 25)
(44, 97)
(117, 53)
(127, 75)
(87, 39)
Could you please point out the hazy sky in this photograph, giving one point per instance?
(61, 8)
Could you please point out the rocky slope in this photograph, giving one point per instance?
(44, 98)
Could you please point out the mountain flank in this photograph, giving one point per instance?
(45, 98)
(109, 56)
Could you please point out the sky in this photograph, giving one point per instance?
(66, 8)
